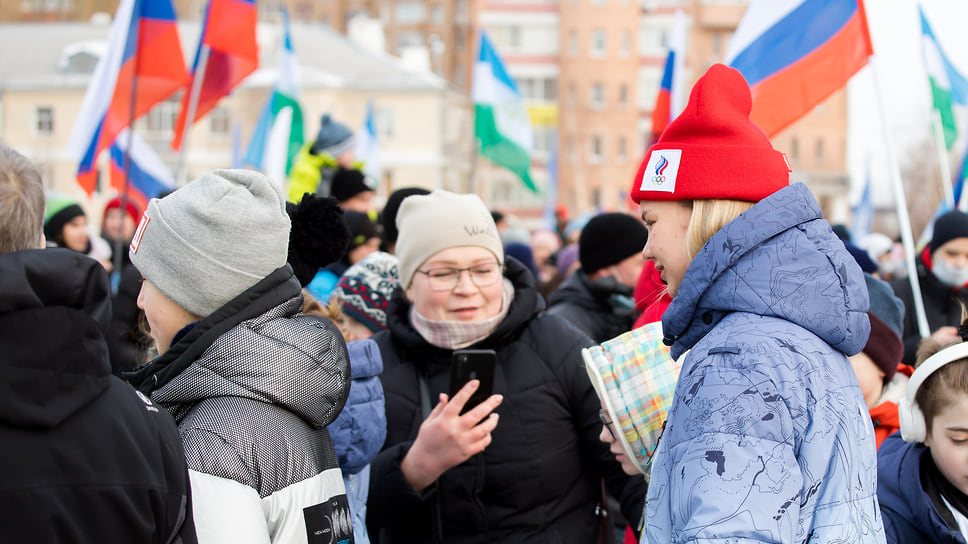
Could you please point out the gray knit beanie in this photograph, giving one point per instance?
(209, 241)
(439, 221)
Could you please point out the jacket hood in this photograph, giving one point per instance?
(258, 346)
(527, 302)
(899, 487)
(55, 306)
(779, 259)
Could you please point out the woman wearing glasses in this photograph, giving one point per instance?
(525, 464)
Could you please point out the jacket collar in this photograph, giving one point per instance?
(278, 286)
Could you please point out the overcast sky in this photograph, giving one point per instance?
(896, 35)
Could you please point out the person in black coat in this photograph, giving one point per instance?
(943, 276)
(525, 465)
(85, 458)
(598, 298)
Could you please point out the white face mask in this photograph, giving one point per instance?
(949, 274)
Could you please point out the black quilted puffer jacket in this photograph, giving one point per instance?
(538, 480)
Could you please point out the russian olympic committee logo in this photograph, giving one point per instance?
(660, 167)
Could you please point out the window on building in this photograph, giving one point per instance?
(622, 151)
(44, 121)
(624, 44)
(46, 6)
(551, 89)
(598, 43)
(573, 43)
(598, 96)
(623, 96)
(514, 37)
(794, 150)
(408, 38)
(537, 88)
(570, 149)
(408, 13)
(572, 94)
(718, 44)
(220, 120)
(595, 151)
(160, 120)
(461, 11)
(599, 2)
(818, 151)
(542, 138)
(437, 13)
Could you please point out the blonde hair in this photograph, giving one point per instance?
(21, 202)
(708, 218)
(332, 311)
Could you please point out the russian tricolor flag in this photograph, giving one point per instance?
(668, 103)
(143, 65)
(796, 53)
(147, 174)
(232, 54)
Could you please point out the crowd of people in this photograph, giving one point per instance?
(240, 363)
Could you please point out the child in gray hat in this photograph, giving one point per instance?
(250, 380)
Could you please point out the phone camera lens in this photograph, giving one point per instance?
(473, 374)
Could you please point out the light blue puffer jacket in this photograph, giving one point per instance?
(768, 438)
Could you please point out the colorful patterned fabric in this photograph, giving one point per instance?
(635, 377)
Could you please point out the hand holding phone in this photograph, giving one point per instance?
(473, 364)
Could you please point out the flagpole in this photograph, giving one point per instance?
(949, 195)
(118, 242)
(181, 175)
(904, 221)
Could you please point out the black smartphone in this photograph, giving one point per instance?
(473, 364)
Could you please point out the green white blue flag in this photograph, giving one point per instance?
(501, 123)
(948, 87)
(279, 134)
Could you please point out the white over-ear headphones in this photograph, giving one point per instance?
(913, 426)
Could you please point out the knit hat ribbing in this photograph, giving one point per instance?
(712, 150)
(349, 182)
(129, 206)
(209, 241)
(949, 226)
(61, 209)
(884, 345)
(438, 221)
(362, 228)
(333, 138)
(366, 287)
(609, 239)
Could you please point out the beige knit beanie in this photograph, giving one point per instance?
(439, 221)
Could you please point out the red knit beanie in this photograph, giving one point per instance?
(712, 150)
(129, 206)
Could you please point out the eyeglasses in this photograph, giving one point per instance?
(607, 423)
(446, 279)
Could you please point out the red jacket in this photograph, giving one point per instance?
(651, 296)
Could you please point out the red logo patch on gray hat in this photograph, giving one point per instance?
(136, 240)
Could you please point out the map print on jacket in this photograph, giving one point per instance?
(767, 311)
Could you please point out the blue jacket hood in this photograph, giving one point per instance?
(899, 489)
(742, 269)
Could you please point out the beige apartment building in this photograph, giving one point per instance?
(45, 70)
(588, 69)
